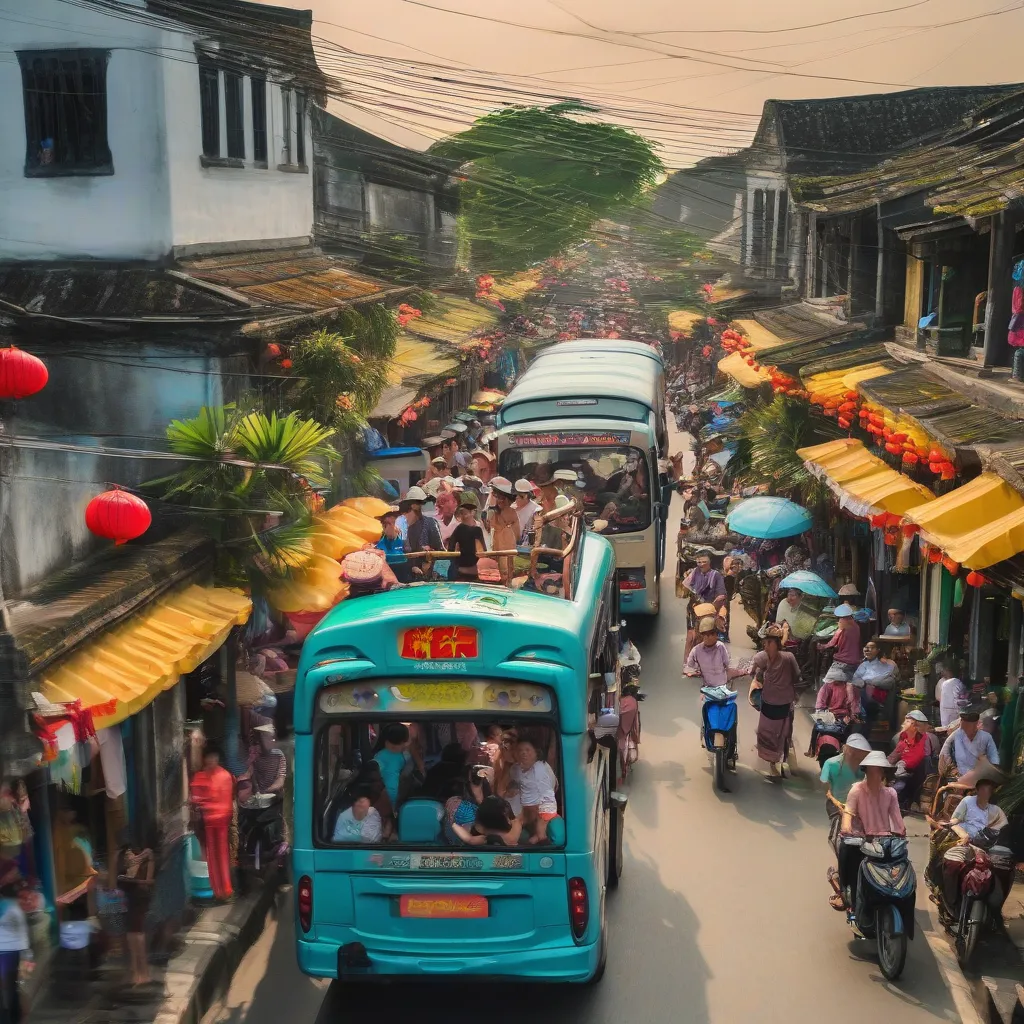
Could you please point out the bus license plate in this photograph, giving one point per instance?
(442, 907)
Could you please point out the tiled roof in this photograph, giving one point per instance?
(843, 134)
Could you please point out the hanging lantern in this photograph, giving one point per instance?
(975, 579)
(21, 374)
(922, 454)
(845, 423)
(118, 516)
(909, 529)
(950, 566)
(892, 536)
(935, 555)
(936, 456)
(909, 458)
(877, 418)
(848, 407)
(947, 475)
(852, 396)
(878, 521)
(899, 438)
(892, 448)
(935, 467)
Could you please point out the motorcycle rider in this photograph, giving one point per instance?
(966, 747)
(839, 697)
(912, 750)
(839, 773)
(710, 657)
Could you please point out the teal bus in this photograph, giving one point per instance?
(401, 694)
(598, 413)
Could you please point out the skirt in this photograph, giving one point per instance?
(774, 732)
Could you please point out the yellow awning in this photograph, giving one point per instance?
(121, 672)
(682, 320)
(454, 321)
(834, 383)
(759, 337)
(864, 484)
(952, 522)
(415, 358)
(746, 376)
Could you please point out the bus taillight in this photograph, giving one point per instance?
(579, 907)
(305, 902)
(632, 579)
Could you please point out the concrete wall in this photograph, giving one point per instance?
(125, 214)
(159, 195)
(47, 490)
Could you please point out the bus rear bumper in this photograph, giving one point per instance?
(553, 964)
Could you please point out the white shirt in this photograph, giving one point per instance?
(526, 514)
(787, 613)
(13, 928)
(348, 830)
(893, 630)
(965, 752)
(536, 786)
(975, 818)
(874, 673)
(951, 692)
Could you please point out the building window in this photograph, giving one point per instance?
(300, 129)
(209, 105)
(259, 119)
(65, 112)
(234, 111)
(286, 126)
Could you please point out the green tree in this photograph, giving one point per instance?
(247, 481)
(537, 178)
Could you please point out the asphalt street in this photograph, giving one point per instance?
(722, 914)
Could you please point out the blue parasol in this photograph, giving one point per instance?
(769, 518)
(808, 582)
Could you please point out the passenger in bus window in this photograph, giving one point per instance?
(460, 811)
(393, 757)
(537, 784)
(496, 824)
(361, 822)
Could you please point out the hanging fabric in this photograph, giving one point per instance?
(112, 760)
(1016, 332)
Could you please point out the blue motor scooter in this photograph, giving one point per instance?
(718, 733)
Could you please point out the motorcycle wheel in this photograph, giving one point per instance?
(721, 756)
(892, 948)
(966, 938)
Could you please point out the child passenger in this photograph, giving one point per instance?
(537, 784)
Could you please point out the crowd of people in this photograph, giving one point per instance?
(462, 783)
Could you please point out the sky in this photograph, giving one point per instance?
(691, 77)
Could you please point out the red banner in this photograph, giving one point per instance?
(440, 643)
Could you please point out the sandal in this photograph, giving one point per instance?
(836, 902)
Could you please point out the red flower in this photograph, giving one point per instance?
(273, 351)
(286, 364)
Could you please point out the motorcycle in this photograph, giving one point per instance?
(261, 846)
(879, 904)
(830, 734)
(718, 733)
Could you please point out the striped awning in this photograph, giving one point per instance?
(121, 672)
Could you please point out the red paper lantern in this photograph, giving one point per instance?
(935, 467)
(118, 516)
(852, 396)
(950, 566)
(21, 374)
(975, 579)
(879, 521)
(899, 438)
(877, 418)
(909, 529)
(845, 423)
(934, 555)
(847, 406)
(947, 475)
(892, 536)
(936, 456)
(892, 448)
(910, 458)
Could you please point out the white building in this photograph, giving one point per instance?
(131, 135)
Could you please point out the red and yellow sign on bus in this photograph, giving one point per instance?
(439, 643)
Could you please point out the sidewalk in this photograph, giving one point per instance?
(186, 987)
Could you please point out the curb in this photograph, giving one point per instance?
(199, 977)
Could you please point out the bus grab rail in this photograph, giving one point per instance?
(576, 527)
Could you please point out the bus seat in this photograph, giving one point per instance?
(556, 831)
(419, 821)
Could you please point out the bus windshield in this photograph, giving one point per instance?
(613, 482)
(448, 781)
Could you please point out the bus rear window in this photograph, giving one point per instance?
(449, 782)
(614, 482)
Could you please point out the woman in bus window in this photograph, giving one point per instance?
(460, 811)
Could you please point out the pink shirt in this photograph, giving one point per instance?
(874, 814)
(835, 697)
(847, 645)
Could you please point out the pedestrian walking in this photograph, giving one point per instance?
(776, 675)
(213, 796)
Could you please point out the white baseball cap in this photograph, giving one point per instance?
(524, 486)
(858, 742)
(917, 716)
(502, 485)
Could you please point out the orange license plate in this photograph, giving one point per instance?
(442, 907)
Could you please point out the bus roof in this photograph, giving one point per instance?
(620, 345)
(561, 386)
(360, 636)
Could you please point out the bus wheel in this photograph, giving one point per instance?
(616, 828)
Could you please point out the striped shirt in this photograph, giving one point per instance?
(268, 768)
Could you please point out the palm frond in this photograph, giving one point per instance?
(204, 437)
(297, 444)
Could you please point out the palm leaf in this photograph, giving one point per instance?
(290, 442)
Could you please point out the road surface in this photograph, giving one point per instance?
(722, 914)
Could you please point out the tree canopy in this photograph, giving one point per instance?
(536, 179)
